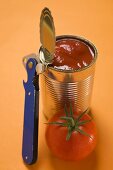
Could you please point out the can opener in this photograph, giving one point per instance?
(35, 65)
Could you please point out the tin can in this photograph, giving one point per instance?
(60, 87)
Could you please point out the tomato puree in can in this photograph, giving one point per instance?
(72, 54)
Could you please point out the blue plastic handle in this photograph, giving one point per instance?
(30, 128)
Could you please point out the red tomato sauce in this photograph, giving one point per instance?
(72, 54)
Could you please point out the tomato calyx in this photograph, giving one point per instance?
(72, 123)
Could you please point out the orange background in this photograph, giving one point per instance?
(19, 36)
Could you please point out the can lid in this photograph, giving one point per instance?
(47, 37)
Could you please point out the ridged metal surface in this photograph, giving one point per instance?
(58, 88)
(56, 94)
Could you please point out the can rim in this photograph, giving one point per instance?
(87, 42)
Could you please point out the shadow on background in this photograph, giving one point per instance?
(87, 164)
(90, 163)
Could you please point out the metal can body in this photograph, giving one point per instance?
(60, 87)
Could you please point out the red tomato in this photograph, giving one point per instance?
(79, 145)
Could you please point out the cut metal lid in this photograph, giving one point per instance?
(47, 37)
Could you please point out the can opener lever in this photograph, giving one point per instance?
(31, 109)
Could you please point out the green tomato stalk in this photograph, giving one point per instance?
(72, 123)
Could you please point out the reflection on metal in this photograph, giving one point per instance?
(60, 87)
(40, 68)
(47, 36)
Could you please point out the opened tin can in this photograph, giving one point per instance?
(60, 87)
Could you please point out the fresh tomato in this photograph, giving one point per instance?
(71, 136)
